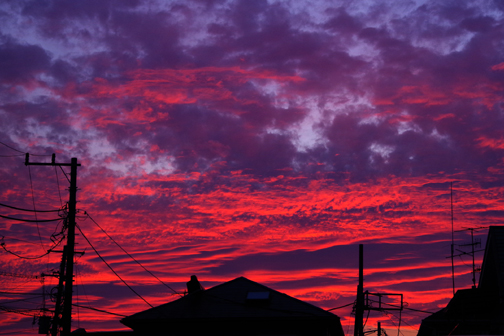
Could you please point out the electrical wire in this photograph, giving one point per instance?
(19, 293)
(11, 148)
(27, 210)
(412, 327)
(110, 267)
(20, 300)
(34, 208)
(76, 293)
(21, 257)
(57, 182)
(16, 332)
(129, 255)
(396, 306)
(2, 244)
(31, 220)
(341, 306)
(367, 317)
(17, 275)
(64, 173)
(79, 278)
(98, 310)
(20, 240)
(399, 325)
(19, 311)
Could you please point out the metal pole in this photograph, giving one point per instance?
(452, 244)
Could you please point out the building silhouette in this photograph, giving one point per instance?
(478, 310)
(236, 307)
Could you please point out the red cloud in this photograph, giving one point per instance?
(491, 143)
(139, 98)
(186, 86)
(499, 66)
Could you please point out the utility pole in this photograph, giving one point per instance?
(359, 306)
(364, 302)
(69, 250)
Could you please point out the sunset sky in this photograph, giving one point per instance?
(264, 139)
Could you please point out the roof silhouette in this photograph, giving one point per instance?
(240, 304)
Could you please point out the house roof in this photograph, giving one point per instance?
(492, 269)
(237, 300)
(240, 297)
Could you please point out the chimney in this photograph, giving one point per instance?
(193, 285)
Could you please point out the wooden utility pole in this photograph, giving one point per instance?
(65, 322)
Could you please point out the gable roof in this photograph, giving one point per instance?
(230, 300)
(237, 300)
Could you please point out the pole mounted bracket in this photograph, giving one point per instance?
(52, 163)
(380, 304)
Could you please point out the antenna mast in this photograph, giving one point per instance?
(472, 253)
(452, 243)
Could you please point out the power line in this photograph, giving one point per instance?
(19, 293)
(64, 173)
(20, 300)
(16, 332)
(98, 310)
(2, 244)
(21, 240)
(11, 147)
(34, 208)
(16, 155)
(27, 210)
(129, 255)
(17, 275)
(110, 267)
(20, 256)
(403, 321)
(388, 304)
(341, 306)
(25, 312)
(17, 150)
(398, 327)
(57, 182)
(30, 220)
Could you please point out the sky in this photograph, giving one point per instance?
(264, 139)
